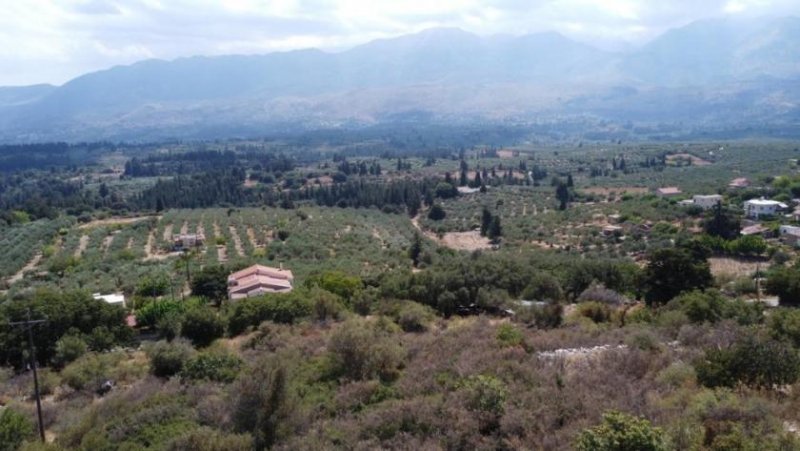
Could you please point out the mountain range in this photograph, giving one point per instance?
(710, 75)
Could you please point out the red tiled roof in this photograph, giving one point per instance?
(275, 273)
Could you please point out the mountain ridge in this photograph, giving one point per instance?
(437, 73)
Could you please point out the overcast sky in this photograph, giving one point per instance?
(52, 41)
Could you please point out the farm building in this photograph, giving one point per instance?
(669, 191)
(756, 229)
(790, 234)
(113, 299)
(756, 208)
(257, 280)
(707, 202)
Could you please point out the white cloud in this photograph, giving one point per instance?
(55, 40)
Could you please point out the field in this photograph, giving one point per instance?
(112, 254)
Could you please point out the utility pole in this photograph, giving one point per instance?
(29, 323)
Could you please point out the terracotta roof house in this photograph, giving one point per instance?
(257, 280)
(740, 182)
(669, 191)
(756, 229)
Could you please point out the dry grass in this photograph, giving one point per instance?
(733, 267)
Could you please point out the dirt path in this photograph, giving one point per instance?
(201, 231)
(185, 228)
(114, 221)
(107, 243)
(148, 247)
(167, 233)
(237, 242)
(460, 241)
(28, 267)
(251, 235)
(129, 246)
(83, 243)
(377, 235)
(222, 254)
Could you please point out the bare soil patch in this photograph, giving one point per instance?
(251, 235)
(167, 236)
(184, 228)
(237, 242)
(505, 154)
(83, 243)
(28, 267)
(734, 267)
(696, 161)
(465, 241)
(107, 243)
(462, 241)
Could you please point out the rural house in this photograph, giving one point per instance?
(739, 183)
(756, 208)
(669, 191)
(257, 280)
(707, 202)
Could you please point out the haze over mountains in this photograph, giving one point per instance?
(721, 76)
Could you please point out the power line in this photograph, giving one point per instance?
(29, 323)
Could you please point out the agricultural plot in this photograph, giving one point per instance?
(114, 257)
(20, 244)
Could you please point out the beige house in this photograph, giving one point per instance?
(669, 191)
(257, 280)
(739, 183)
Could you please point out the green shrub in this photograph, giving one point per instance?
(169, 358)
(68, 349)
(414, 317)
(208, 439)
(543, 287)
(595, 311)
(752, 361)
(202, 326)
(15, 428)
(214, 366)
(360, 350)
(326, 305)
(89, 371)
(280, 308)
(784, 324)
(621, 432)
(170, 324)
(153, 286)
(150, 314)
(508, 335)
(486, 394)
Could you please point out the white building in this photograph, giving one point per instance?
(707, 202)
(113, 299)
(756, 208)
(787, 229)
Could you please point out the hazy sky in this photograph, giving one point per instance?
(53, 41)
